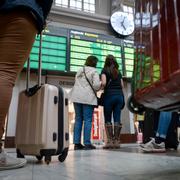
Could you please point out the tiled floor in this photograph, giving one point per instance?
(128, 163)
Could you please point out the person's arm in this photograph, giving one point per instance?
(103, 81)
(122, 84)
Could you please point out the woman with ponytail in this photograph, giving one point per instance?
(113, 101)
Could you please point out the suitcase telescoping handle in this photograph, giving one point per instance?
(39, 70)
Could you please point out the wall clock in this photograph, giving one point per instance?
(122, 23)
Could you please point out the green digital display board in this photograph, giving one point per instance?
(83, 44)
(129, 60)
(53, 53)
(67, 50)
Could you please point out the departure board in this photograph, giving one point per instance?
(53, 53)
(83, 44)
(129, 58)
(67, 50)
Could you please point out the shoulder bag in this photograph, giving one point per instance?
(100, 100)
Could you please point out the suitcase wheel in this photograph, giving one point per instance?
(39, 158)
(63, 155)
(19, 154)
(47, 159)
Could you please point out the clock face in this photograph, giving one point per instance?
(122, 23)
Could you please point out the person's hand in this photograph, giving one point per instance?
(102, 86)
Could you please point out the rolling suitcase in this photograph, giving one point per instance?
(42, 120)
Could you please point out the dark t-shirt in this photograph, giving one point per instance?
(113, 86)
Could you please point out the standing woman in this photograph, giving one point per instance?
(20, 21)
(113, 101)
(84, 101)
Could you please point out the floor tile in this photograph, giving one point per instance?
(128, 163)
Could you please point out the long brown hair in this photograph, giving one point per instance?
(111, 66)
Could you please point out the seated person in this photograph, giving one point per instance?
(157, 144)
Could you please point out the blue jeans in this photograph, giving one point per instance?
(112, 106)
(163, 125)
(83, 112)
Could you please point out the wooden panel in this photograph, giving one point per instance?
(9, 142)
(157, 60)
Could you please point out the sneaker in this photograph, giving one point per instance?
(151, 146)
(89, 147)
(78, 147)
(7, 162)
(142, 144)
